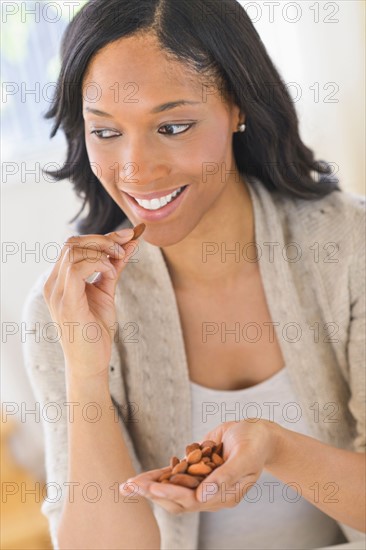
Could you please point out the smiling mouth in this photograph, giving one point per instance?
(156, 204)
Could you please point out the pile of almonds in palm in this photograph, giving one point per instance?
(199, 462)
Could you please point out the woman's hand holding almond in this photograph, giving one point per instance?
(85, 312)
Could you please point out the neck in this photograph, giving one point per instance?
(214, 253)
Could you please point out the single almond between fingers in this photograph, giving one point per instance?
(138, 231)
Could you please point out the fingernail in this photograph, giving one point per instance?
(126, 488)
(128, 233)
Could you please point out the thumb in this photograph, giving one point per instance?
(224, 480)
(120, 263)
(130, 246)
(126, 248)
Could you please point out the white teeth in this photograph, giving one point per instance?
(155, 204)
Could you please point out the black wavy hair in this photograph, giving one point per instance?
(216, 39)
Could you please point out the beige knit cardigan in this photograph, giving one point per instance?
(321, 282)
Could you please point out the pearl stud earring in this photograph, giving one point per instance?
(241, 127)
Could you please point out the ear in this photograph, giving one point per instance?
(238, 117)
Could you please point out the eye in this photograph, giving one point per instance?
(171, 127)
(101, 134)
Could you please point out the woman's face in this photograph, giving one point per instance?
(139, 149)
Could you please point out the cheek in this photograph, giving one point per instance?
(210, 159)
(102, 165)
(210, 150)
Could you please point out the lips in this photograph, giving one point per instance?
(153, 195)
(146, 215)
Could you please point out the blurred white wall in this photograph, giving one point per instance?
(319, 49)
(322, 54)
(33, 216)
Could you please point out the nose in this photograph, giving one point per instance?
(142, 161)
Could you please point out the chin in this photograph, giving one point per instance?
(161, 238)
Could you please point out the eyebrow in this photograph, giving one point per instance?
(158, 109)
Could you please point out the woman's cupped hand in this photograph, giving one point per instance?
(248, 446)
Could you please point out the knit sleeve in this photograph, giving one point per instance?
(45, 367)
(356, 342)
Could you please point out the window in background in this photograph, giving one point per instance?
(31, 37)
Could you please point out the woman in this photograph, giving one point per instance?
(244, 294)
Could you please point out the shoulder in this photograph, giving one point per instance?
(42, 351)
(35, 308)
(331, 234)
(339, 217)
(339, 206)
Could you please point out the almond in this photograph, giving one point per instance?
(200, 478)
(174, 461)
(194, 456)
(165, 475)
(208, 443)
(206, 451)
(216, 459)
(180, 468)
(192, 447)
(200, 469)
(218, 449)
(185, 481)
(200, 461)
(138, 230)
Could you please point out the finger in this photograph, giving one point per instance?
(216, 434)
(148, 485)
(186, 498)
(76, 267)
(140, 484)
(92, 256)
(164, 493)
(72, 292)
(104, 243)
(121, 236)
(149, 476)
(228, 481)
(121, 261)
(109, 285)
(174, 493)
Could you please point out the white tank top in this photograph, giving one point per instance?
(272, 514)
